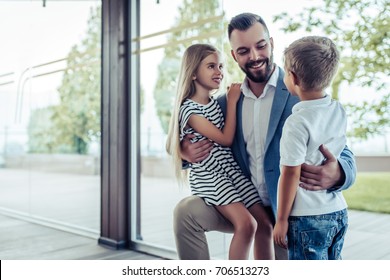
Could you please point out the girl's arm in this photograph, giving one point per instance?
(288, 184)
(225, 136)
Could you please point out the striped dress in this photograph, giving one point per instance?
(218, 179)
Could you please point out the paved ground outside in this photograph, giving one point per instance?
(74, 201)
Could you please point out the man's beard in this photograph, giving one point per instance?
(259, 76)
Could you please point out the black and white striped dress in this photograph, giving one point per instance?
(218, 179)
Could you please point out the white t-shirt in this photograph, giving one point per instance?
(312, 123)
(255, 120)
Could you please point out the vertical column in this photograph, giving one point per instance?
(115, 220)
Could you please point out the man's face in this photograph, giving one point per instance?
(252, 49)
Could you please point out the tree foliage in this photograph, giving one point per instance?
(78, 114)
(40, 141)
(360, 28)
(214, 32)
(74, 123)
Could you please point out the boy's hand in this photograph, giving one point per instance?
(280, 233)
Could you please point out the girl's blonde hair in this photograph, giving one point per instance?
(192, 58)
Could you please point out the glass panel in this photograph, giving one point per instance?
(161, 48)
(50, 112)
(181, 23)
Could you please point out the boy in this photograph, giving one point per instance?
(315, 222)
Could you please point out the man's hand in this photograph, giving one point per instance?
(322, 177)
(195, 152)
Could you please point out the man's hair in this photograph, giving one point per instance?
(243, 21)
(314, 60)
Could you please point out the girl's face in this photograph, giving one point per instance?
(209, 74)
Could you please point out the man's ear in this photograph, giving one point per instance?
(233, 55)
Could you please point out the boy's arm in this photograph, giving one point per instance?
(288, 184)
(333, 175)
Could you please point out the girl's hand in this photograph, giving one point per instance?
(234, 92)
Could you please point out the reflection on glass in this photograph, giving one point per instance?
(50, 112)
(161, 47)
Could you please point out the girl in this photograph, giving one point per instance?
(217, 179)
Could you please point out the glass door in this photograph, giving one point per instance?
(161, 46)
(50, 113)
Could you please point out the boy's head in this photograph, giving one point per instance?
(313, 60)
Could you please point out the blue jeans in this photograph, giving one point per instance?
(318, 237)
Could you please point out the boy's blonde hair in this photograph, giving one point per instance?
(192, 58)
(314, 60)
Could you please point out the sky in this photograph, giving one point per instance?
(31, 35)
(37, 34)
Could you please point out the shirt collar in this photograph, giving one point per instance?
(326, 100)
(272, 82)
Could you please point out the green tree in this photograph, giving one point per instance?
(40, 141)
(360, 28)
(74, 123)
(76, 120)
(190, 28)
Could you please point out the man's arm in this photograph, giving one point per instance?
(333, 175)
(348, 165)
(194, 152)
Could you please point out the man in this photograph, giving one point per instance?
(261, 112)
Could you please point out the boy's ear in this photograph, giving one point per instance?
(295, 78)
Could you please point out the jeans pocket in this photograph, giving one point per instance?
(316, 243)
